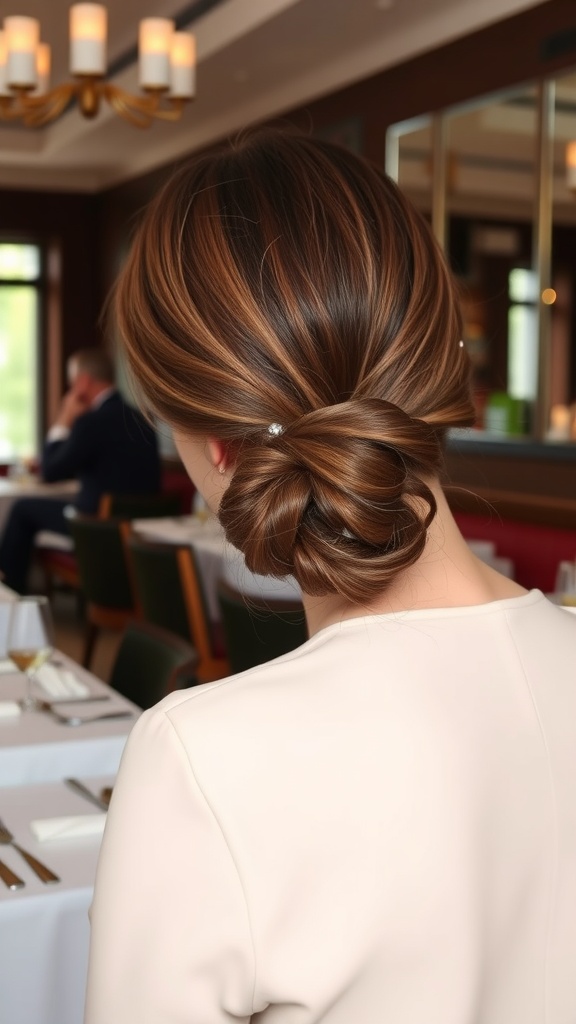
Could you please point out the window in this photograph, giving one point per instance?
(523, 334)
(20, 307)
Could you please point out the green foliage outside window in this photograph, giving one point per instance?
(19, 314)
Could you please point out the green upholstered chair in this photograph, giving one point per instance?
(169, 593)
(257, 630)
(61, 566)
(139, 506)
(152, 662)
(104, 577)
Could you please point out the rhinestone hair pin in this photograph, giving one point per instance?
(275, 429)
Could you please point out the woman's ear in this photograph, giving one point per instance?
(218, 454)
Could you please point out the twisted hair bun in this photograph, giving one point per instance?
(336, 499)
(285, 280)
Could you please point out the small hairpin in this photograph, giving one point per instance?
(275, 429)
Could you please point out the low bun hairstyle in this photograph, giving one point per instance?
(284, 281)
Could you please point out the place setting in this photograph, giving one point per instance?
(52, 682)
(52, 817)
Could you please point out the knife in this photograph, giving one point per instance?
(79, 787)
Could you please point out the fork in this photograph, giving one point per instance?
(78, 720)
(44, 873)
(48, 705)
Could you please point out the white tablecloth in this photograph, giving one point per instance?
(30, 487)
(44, 929)
(35, 747)
(7, 596)
(216, 559)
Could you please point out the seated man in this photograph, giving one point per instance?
(98, 439)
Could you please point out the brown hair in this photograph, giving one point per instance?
(286, 281)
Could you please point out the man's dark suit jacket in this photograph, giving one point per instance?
(110, 449)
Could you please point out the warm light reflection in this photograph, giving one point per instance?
(548, 296)
(571, 165)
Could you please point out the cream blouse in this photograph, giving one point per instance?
(378, 828)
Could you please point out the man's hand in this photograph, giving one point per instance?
(71, 408)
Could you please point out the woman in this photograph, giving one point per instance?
(380, 826)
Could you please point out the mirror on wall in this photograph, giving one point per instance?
(409, 160)
(496, 173)
(560, 297)
(491, 182)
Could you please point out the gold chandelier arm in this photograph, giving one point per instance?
(36, 111)
(141, 110)
(9, 109)
(174, 111)
(138, 111)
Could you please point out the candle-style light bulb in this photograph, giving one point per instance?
(4, 90)
(43, 62)
(22, 38)
(154, 46)
(183, 66)
(88, 32)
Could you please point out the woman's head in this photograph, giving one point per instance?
(285, 281)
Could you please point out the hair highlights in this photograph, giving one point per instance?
(286, 281)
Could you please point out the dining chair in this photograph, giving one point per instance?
(168, 588)
(104, 577)
(139, 506)
(59, 563)
(259, 629)
(152, 662)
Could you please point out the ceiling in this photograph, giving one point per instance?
(256, 59)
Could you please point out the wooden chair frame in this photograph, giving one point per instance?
(104, 616)
(209, 667)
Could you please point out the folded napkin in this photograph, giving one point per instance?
(9, 709)
(60, 682)
(7, 666)
(80, 826)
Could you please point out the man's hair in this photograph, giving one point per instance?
(96, 362)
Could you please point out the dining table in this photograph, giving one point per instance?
(70, 736)
(30, 486)
(44, 928)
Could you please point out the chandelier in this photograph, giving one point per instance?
(166, 65)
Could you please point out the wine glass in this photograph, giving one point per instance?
(566, 583)
(30, 640)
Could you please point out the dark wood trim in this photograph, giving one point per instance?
(525, 508)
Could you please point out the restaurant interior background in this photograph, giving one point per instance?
(472, 111)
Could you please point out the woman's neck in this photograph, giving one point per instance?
(446, 575)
